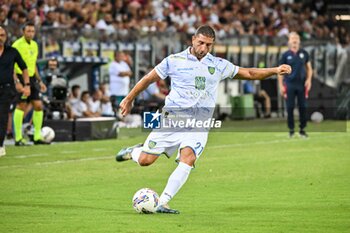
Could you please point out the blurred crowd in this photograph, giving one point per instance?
(104, 99)
(229, 17)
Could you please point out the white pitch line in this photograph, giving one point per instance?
(28, 156)
(40, 155)
(62, 152)
(58, 162)
(99, 149)
(68, 152)
(267, 142)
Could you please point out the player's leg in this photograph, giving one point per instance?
(302, 111)
(136, 154)
(18, 122)
(4, 108)
(147, 153)
(267, 103)
(145, 159)
(290, 102)
(177, 179)
(38, 118)
(190, 150)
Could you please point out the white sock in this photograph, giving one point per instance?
(135, 154)
(175, 182)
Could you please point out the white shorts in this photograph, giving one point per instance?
(167, 143)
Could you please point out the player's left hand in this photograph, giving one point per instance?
(19, 87)
(26, 91)
(284, 69)
(43, 88)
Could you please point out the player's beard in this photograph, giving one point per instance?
(199, 55)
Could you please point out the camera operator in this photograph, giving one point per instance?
(53, 76)
(57, 91)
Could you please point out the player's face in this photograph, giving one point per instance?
(201, 45)
(52, 64)
(29, 33)
(2, 36)
(76, 92)
(294, 41)
(119, 57)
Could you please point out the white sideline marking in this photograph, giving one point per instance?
(28, 156)
(58, 162)
(99, 149)
(62, 152)
(296, 139)
(110, 157)
(68, 152)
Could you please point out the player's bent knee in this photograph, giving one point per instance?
(38, 106)
(147, 159)
(21, 106)
(188, 156)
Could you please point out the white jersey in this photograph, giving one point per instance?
(118, 85)
(194, 83)
(194, 87)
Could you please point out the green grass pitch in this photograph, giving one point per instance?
(244, 182)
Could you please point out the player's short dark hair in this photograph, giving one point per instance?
(117, 52)
(28, 24)
(206, 30)
(74, 87)
(6, 33)
(84, 93)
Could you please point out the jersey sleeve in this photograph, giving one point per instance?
(19, 60)
(229, 70)
(36, 50)
(307, 56)
(162, 69)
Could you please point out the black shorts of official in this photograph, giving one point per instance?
(7, 93)
(34, 90)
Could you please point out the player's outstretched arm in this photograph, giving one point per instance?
(262, 73)
(126, 104)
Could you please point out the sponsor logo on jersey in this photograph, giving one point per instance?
(211, 69)
(152, 144)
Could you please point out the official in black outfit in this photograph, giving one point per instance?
(297, 84)
(9, 83)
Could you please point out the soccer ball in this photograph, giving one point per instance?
(47, 134)
(317, 117)
(145, 201)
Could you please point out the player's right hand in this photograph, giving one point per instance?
(284, 69)
(282, 90)
(125, 106)
(24, 90)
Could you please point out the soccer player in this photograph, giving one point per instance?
(28, 49)
(195, 75)
(296, 84)
(8, 57)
